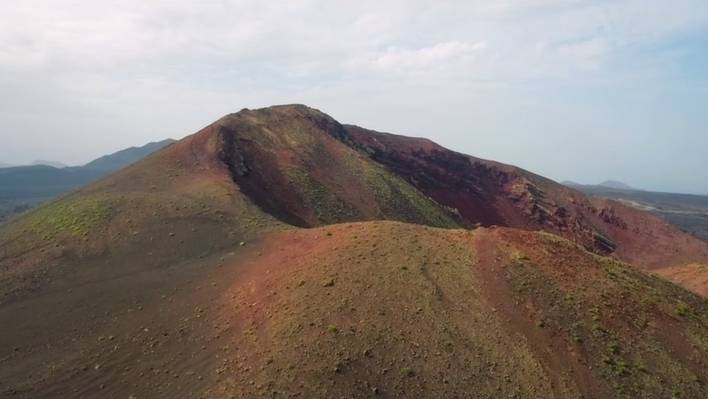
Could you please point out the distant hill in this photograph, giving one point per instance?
(613, 184)
(123, 158)
(22, 187)
(38, 162)
(616, 184)
(53, 164)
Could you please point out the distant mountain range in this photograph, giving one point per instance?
(123, 158)
(38, 162)
(613, 184)
(616, 184)
(53, 164)
(22, 187)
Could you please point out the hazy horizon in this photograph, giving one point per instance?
(572, 90)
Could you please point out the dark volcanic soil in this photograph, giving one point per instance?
(103, 325)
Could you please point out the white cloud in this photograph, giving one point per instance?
(588, 54)
(398, 58)
(308, 36)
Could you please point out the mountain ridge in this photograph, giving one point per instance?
(125, 157)
(302, 168)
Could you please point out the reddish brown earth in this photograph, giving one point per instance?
(344, 310)
(251, 260)
(501, 313)
(490, 193)
(692, 276)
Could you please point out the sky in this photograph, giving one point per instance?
(572, 90)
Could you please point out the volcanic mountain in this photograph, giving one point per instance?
(278, 253)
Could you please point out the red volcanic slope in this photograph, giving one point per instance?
(490, 193)
(303, 167)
